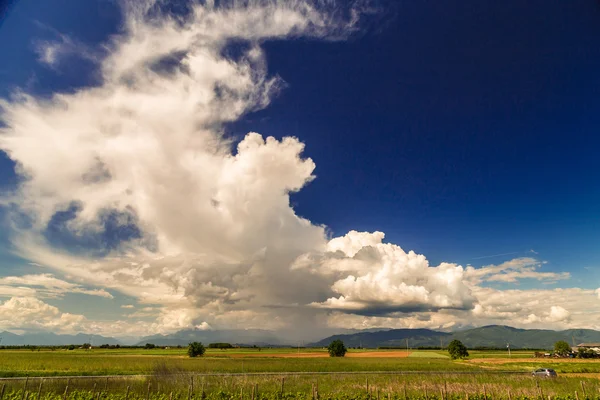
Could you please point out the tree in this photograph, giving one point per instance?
(337, 348)
(562, 348)
(195, 349)
(457, 350)
(150, 346)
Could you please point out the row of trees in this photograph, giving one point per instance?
(456, 349)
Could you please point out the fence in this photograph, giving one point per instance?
(303, 386)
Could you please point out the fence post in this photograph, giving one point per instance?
(66, 390)
(93, 390)
(583, 390)
(445, 390)
(241, 393)
(148, 392)
(576, 395)
(2, 391)
(282, 385)
(252, 396)
(40, 388)
(426, 396)
(484, 393)
(405, 395)
(127, 393)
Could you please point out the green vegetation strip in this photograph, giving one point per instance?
(427, 354)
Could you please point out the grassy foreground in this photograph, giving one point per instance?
(333, 387)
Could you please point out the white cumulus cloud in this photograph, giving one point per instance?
(382, 278)
(30, 313)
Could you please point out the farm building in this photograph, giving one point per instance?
(589, 346)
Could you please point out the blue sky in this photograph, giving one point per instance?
(466, 131)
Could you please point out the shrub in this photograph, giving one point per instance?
(196, 349)
(337, 348)
(220, 346)
(457, 350)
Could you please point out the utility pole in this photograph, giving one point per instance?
(407, 345)
(508, 346)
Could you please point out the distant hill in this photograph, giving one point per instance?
(391, 338)
(496, 336)
(244, 337)
(52, 339)
(238, 336)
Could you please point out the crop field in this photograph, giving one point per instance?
(269, 374)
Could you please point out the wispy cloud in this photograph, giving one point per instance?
(44, 285)
(514, 270)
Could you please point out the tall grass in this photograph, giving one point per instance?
(330, 387)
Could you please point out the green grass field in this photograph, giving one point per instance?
(169, 374)
(79, 362)
(428, 354)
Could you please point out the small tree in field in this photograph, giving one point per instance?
(196, 349)
(457, 350)
(337, 349)
(562, 348)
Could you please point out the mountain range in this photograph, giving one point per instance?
(52, 339)
(493, 336)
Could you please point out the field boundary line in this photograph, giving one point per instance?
(242, 374)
